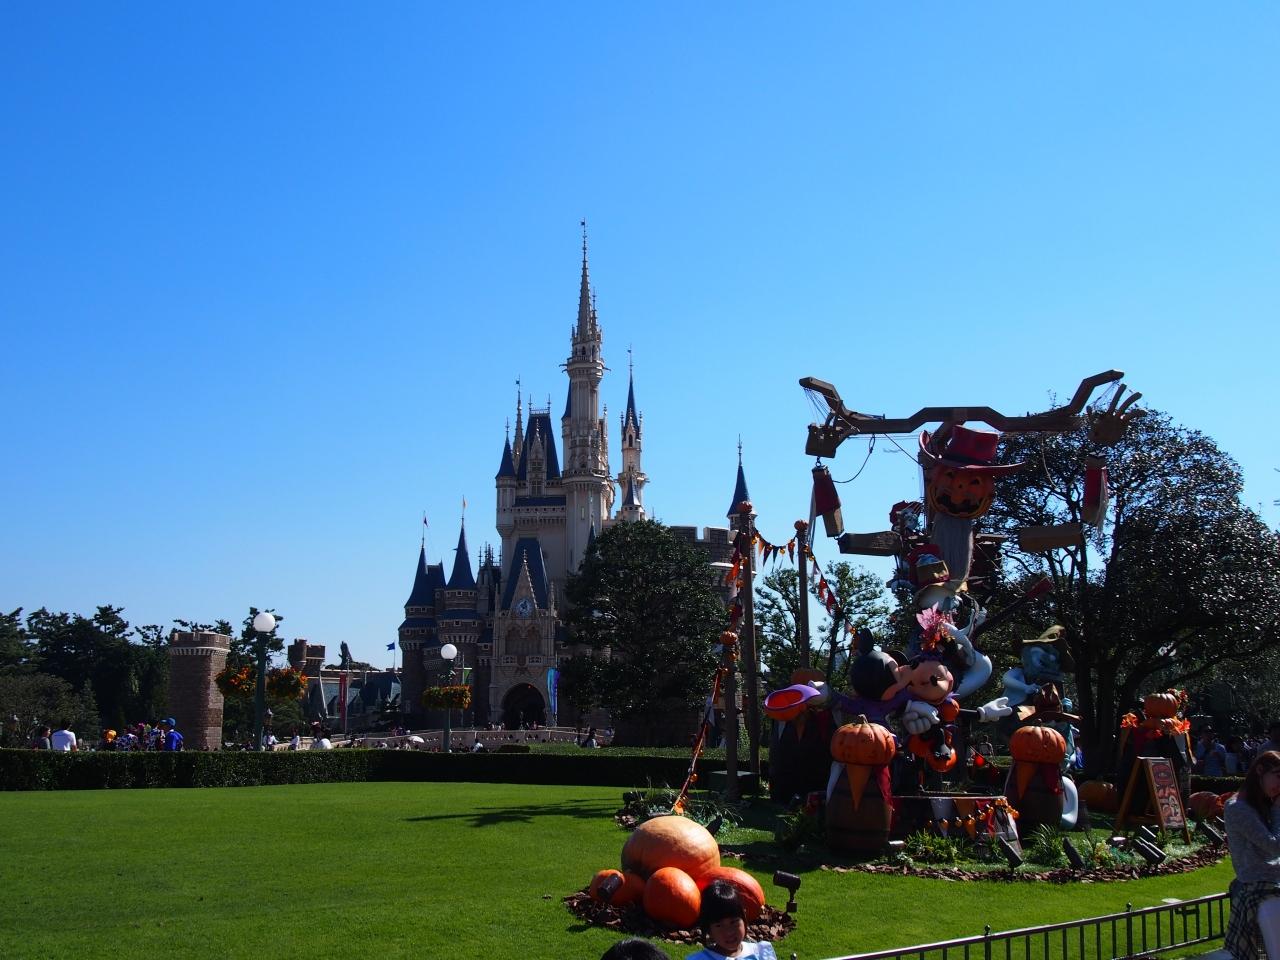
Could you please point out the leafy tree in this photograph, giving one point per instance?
(1180, 579)
(650, 600)
(861, 602)
(37, 699)
(15, 647)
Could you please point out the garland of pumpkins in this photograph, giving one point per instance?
(666, 864)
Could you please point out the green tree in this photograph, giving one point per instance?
(1179, 580)
(650, 600)
(16, 651)
(861, 601)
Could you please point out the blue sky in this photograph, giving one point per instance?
(268, 273)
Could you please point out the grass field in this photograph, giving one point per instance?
(427, 871)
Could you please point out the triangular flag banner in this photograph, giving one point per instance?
(1024, 773)
(857, 782)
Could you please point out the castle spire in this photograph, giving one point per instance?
(461, 578)
(586, 312)
(517, 443)
(740, 488)
(629, 416)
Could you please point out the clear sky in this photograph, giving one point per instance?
(269, 272)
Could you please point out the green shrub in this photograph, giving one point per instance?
(925, 847)
(1044, 847)
(44, 770)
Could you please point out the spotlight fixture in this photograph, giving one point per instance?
(1210, 831)
(791, 883)
(1010, 854)
(1149, 852)
(1149, 835)
(1069, 848)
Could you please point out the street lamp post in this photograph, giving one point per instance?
(263, 624)
(447, 653)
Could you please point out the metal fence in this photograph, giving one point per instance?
(1117, 936)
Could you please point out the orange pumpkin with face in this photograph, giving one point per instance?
(863, 743)
(960, 493)
(1162, 705)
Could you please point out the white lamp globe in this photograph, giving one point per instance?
(264, 622)
(448, 651)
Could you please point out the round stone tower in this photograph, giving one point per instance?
(194, 699)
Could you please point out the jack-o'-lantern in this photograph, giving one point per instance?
(965, 494)
(1037, 744)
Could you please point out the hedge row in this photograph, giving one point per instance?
(43, 770)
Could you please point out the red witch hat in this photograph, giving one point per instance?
(969, 450)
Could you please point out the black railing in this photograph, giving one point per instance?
(1117, 936)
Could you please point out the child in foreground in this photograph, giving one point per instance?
(725, 926)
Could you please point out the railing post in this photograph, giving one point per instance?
(986, 942)
(1128, 930)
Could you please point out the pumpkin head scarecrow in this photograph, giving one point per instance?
(959, 488)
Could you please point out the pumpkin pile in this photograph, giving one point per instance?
(666, 864)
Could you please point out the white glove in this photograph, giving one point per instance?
(919, 717)
(999, 707)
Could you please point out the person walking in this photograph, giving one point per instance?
(1253, 835)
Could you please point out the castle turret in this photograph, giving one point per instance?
(632, 478)
(740, 494)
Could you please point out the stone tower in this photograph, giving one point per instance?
(588, 488)
(194, 699)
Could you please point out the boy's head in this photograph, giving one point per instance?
(722, 916)
(634, 949)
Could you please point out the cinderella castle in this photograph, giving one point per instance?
(504, 617)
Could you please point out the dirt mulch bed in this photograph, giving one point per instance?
(772, 925)
(1193, 861)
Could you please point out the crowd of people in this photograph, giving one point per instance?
(1216, 758)
(161, 735)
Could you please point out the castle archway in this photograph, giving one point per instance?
(523, 704)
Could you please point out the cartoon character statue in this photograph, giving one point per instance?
(1035, 688)
(959, 488)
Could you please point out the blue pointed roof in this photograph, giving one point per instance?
(528, 550)
(739, 492)
(568, 402)
(540, 424)
(422, 595)
(507, 468)
(591, 537)
(461, 578)
(629, 416)
(630, 499)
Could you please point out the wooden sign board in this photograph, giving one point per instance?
(1164, 802)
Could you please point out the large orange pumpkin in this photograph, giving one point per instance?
(671, 897)
(1161, 705)
(749, 889)
(629, 887)
(670, 841)
(1037, 744)
(1100, 796)
(864, 743)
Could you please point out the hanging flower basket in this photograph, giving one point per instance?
(236, 684)
(286, 683)
(455, 697)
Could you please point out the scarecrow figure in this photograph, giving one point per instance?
(959, 488)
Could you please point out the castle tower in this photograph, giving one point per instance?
(739, 494)
(632, 478)
(587, 485)
(460, 622)
(194, 699)
(505, 481)
(418, 630)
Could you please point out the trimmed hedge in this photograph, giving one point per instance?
(44, 770)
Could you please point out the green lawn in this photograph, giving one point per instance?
(424, 870)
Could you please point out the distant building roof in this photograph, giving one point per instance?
(527, 550)
(461, 578)
(507, 468)
(553, 500)
(422, 594)
(540, 426)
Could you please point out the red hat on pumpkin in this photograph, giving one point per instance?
(968, 450)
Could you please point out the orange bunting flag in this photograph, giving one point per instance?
(791, 550)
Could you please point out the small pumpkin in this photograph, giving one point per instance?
(671, 897)
(1224, 798)
(1162, 705)
(670, 841)
(1100, 796)
(749, 890)
(616, 888)
(1037, 744)
(863, 742)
